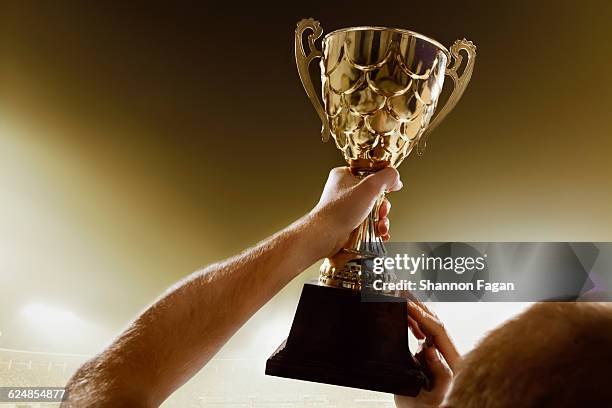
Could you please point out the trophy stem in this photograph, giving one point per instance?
(346, 269)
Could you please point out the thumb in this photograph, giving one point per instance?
(440, 374)
(387, 179)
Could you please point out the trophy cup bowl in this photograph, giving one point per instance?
(380, 88)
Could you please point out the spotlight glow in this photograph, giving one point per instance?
(51, 316)
(53, 328)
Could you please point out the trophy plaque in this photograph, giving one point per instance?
(380, 88)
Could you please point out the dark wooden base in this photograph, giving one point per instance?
(338, 339)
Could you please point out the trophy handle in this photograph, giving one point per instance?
(459, 83)
(303, 61)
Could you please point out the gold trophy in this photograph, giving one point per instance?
(380, 89)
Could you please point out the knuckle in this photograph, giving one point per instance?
(439, 324)
(337, 172)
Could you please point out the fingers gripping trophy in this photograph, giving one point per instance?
(380, 89)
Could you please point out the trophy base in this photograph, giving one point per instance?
(337, 339)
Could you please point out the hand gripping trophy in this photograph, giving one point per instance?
(380, 89)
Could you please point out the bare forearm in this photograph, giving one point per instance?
(204, 311)
(184, 329)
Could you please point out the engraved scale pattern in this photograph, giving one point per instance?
(380, 90)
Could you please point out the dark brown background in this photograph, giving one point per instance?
(139, 142)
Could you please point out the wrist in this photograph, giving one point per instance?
(318, 235)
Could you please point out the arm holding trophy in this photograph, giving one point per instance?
(180, 332)
(380, 89)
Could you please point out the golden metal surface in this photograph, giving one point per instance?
(303, 61)
(460, 82)
(380, 88)
(399, 30)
